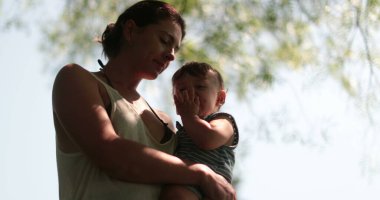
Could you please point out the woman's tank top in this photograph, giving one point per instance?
(79, 178)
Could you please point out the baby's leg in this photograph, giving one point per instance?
(177, 192)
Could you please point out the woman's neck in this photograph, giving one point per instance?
(122, 78)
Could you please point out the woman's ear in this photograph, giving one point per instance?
(128, 28)
(221, 97)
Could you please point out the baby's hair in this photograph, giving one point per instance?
(197, 69)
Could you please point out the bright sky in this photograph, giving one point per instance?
(337, 169)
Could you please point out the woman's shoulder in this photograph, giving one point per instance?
(73, 68)
(72, 73)
(73, 76)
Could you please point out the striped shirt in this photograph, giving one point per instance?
(221, 160)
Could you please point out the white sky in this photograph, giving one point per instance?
(332, 170)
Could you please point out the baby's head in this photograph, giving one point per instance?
(199, 70)
(206, 82)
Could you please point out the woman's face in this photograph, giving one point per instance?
(153, 47)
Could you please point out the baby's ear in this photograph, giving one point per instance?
(221, 97)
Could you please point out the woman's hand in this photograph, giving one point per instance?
(214, 186)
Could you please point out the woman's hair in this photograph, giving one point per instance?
(143, 13)
(197, 69)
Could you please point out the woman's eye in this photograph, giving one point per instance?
(200, 86)
(164, 41)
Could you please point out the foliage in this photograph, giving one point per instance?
(249, 40)
(13, 14)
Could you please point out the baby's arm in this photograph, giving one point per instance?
(206, 135)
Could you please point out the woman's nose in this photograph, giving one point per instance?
(170, 55)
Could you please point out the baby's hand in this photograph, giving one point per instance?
(187, 103)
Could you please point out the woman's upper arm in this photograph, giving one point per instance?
(80, 111)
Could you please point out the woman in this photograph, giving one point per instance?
(110, 143)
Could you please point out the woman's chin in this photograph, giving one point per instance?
(151, 76)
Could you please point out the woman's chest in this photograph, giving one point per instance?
(137, 122)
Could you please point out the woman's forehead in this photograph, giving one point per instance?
(170, 28)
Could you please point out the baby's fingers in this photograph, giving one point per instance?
(184, 95)
(196, 100)
(192, 94)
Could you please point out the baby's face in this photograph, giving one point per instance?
(205, 88)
